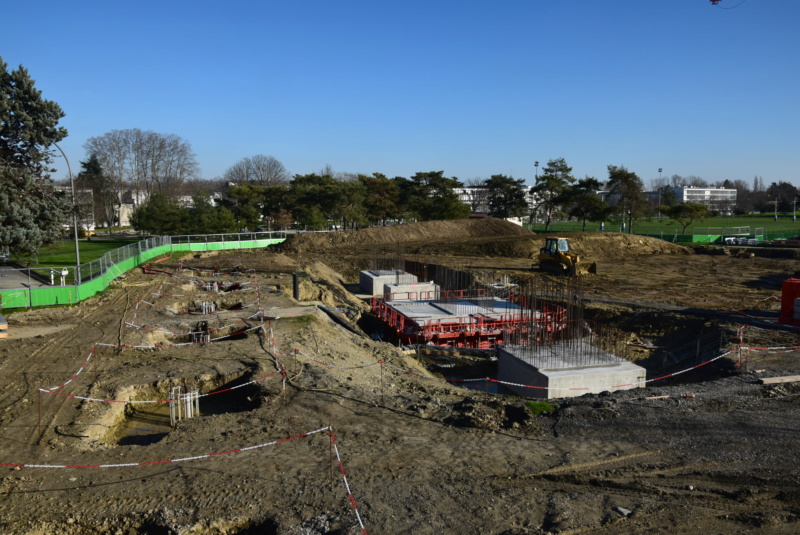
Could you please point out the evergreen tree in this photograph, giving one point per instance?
(434, 197)
(629, 189)
(506, 196)
(551, 186)
(585, 204)
(31, 210)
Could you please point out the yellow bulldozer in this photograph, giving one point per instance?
(555, 257)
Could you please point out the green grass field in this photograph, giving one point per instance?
(62, 253)
(784, 225)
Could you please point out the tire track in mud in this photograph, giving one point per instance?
(657, 492)
(52, 362)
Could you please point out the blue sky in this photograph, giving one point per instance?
(473, 88)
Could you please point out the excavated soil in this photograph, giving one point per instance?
(711, 450)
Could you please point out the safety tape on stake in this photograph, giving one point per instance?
(133, 402)
(771, 349)
(176, 333)
(77, 373)
(159, 346)
(334, 445)
(508, 383)
(182, 313)
(168, 461)
(346, 484)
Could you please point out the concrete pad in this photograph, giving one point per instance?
(455, 310)
(554, 370)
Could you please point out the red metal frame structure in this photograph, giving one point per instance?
(790, 292)
(478, 331)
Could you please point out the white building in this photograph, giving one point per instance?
(718, 199)
(477, 198)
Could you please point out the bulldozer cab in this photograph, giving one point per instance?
(553, 246)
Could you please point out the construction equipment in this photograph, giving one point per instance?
(556, 258)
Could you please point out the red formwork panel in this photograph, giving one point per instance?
(790, 293)
(468, 331)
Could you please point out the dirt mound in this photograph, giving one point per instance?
(426, 231)
(614, 245)
(592, 246)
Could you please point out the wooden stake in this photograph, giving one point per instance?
(330, 447)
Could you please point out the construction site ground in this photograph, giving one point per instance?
(708, 449)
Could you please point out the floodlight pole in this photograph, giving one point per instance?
(77, 277)
(660, 186)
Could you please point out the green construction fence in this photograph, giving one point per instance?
(97, 275)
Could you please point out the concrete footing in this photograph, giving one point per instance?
(561, 370)
(372, 282)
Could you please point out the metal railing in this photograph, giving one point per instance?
(22, 278)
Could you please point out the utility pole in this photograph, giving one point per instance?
(77, 276)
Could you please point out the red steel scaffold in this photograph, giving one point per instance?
(468, 318)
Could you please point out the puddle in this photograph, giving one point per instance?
(144, 426)
(147, 424)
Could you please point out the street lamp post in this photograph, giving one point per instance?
(74, 219)
(660, 185)
(536, 165)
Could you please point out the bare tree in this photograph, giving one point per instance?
(677, 181)
(658, 183)
(145, 160)
(342, 176)
(258, 170)
(477, 194)
(696, 182)
(327, 170)
(110, 151)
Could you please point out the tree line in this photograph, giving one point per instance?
(159, 171)
(311, 201)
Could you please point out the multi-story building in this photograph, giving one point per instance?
(477, 198)
(717, 199)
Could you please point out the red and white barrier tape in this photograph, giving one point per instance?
(346, 484)
(785, 349)
(179, 460)
(213, 456)
(134, 402)
(158, 346)
(77, 373)
(177, 333)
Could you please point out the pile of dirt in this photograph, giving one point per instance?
(473, 238)
(426, 231)
(615, 245)
(323, 284)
